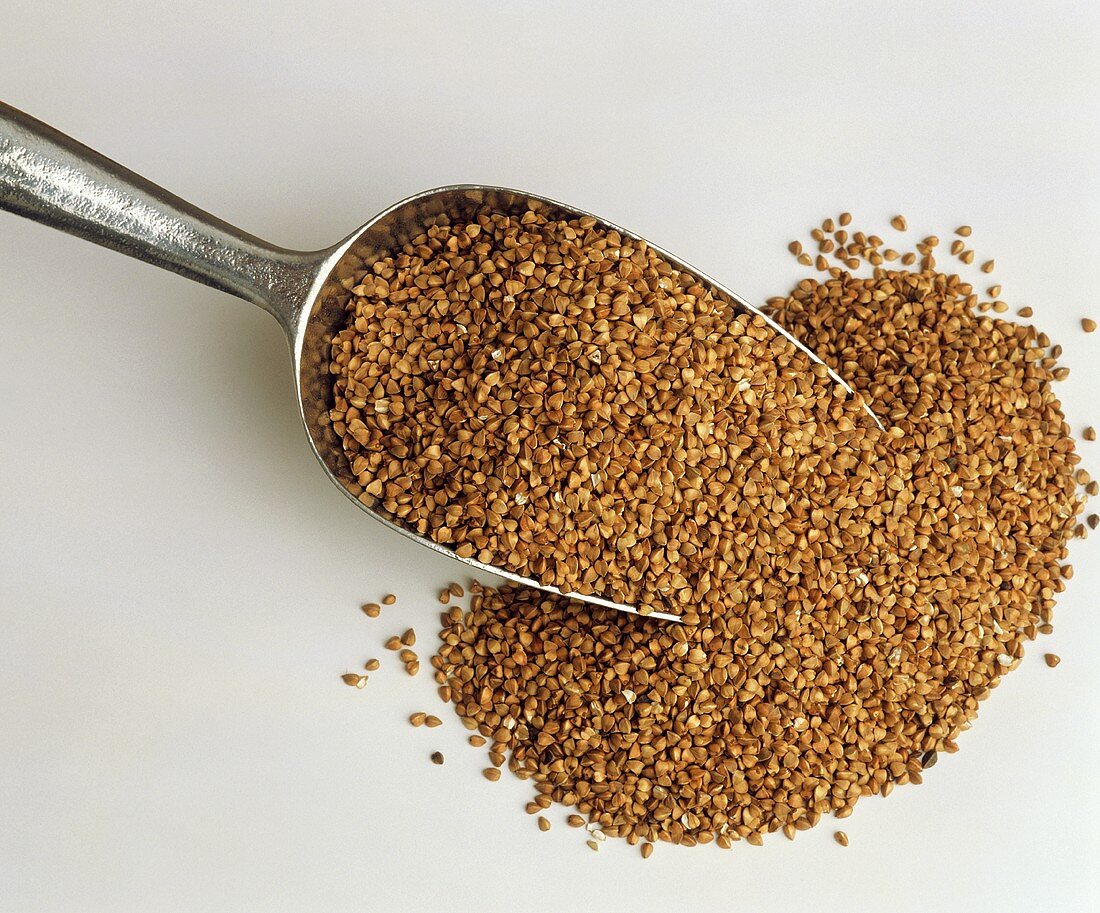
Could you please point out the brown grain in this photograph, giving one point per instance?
(850, 595)
(554, 398)
(709, 731)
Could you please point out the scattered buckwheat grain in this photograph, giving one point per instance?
(856, 614)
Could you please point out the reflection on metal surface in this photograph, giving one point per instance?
(51, 178)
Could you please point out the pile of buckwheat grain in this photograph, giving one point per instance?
(865, 589)
(552, 398)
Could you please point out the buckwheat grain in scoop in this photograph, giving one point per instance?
(551, 398)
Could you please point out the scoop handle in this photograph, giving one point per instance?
(51, 178)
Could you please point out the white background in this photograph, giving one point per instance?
(178, 581)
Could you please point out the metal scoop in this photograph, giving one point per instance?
(49, 177)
